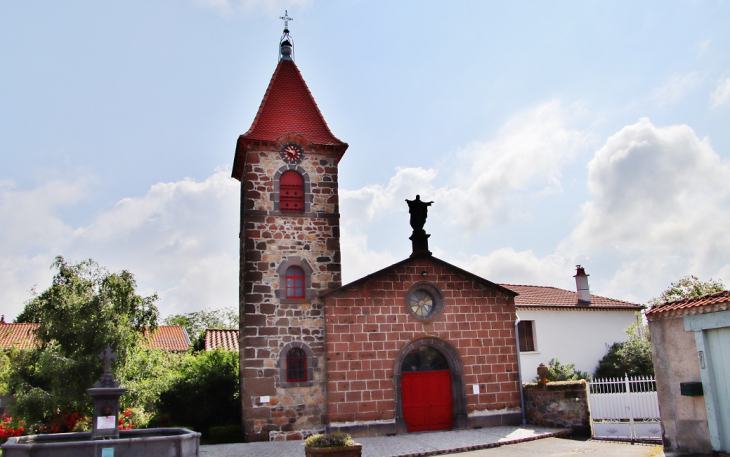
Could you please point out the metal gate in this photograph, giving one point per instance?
(625, 408)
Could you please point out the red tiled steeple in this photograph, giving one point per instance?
(287, 108)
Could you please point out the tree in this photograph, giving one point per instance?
(196, 322)
(632, 357)
(85, 310)
(688, 287)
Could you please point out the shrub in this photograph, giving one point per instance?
(206, 394)
(632, 357)
(567, 372)
(329, 440)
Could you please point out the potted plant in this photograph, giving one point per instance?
(332, 445)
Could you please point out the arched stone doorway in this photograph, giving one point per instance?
(435, 364)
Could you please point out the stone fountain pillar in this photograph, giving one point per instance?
(106, 393)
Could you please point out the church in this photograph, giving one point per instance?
(419, 345)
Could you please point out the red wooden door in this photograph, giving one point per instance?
(427, 400)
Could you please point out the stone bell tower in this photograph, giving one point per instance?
(289, 254)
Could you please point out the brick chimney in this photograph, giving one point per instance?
(581, 285)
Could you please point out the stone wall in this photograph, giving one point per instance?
(369, 327)
(270, 241)
(559, 404)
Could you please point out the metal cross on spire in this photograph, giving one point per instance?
(286, 19)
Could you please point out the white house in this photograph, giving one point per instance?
(572, 326)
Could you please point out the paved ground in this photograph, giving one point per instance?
(432, 443)
(569, 447)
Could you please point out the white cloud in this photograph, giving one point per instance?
(358, 259)
(488, 182)
(179, 239)
(659, 207)
(721, 96)
(500, 179)
(675, 88)
(374, 201)
(507, 266)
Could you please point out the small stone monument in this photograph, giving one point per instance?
(106, 393)
(419, 238)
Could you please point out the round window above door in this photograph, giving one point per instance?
(421, 303)
(424, 301)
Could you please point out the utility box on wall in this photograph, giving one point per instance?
(691, 389)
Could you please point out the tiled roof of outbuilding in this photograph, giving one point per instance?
(17, 336)
(221, 338)
(710, 303)
(22, 336)
(552, 297)
(169, 338)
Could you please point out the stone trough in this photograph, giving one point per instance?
(153, 442)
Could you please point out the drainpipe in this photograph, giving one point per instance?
(519, 373)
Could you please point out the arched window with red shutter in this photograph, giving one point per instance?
(291, 192)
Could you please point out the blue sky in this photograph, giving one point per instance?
(549, 134)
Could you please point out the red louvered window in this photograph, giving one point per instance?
(296, 366)
(291, 192)
(294, 282)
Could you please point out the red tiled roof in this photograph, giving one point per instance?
(17, 336)
(552, 297)
(169, 338)
(710, 303)
(22, 336)
(288, 107)
(221, 338)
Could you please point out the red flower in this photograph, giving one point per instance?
(127, 413)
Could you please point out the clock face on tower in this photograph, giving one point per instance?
(292, 153)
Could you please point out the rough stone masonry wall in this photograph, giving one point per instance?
(269, 323)
(559, 404)
(369, 324)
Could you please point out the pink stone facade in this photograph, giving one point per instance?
(368, 326)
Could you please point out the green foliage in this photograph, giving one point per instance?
(148, 373)
(205, 395)
(560, 372)
(4, 373)
(84, 310)
(321, 440)
(688, 287)
(196, 322)
(632, 357)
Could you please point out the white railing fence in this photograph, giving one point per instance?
(625, 408)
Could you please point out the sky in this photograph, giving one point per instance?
(548, 134)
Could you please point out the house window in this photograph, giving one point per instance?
(526, 332)
(294, 282)
(296, 365)
(291, 192)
